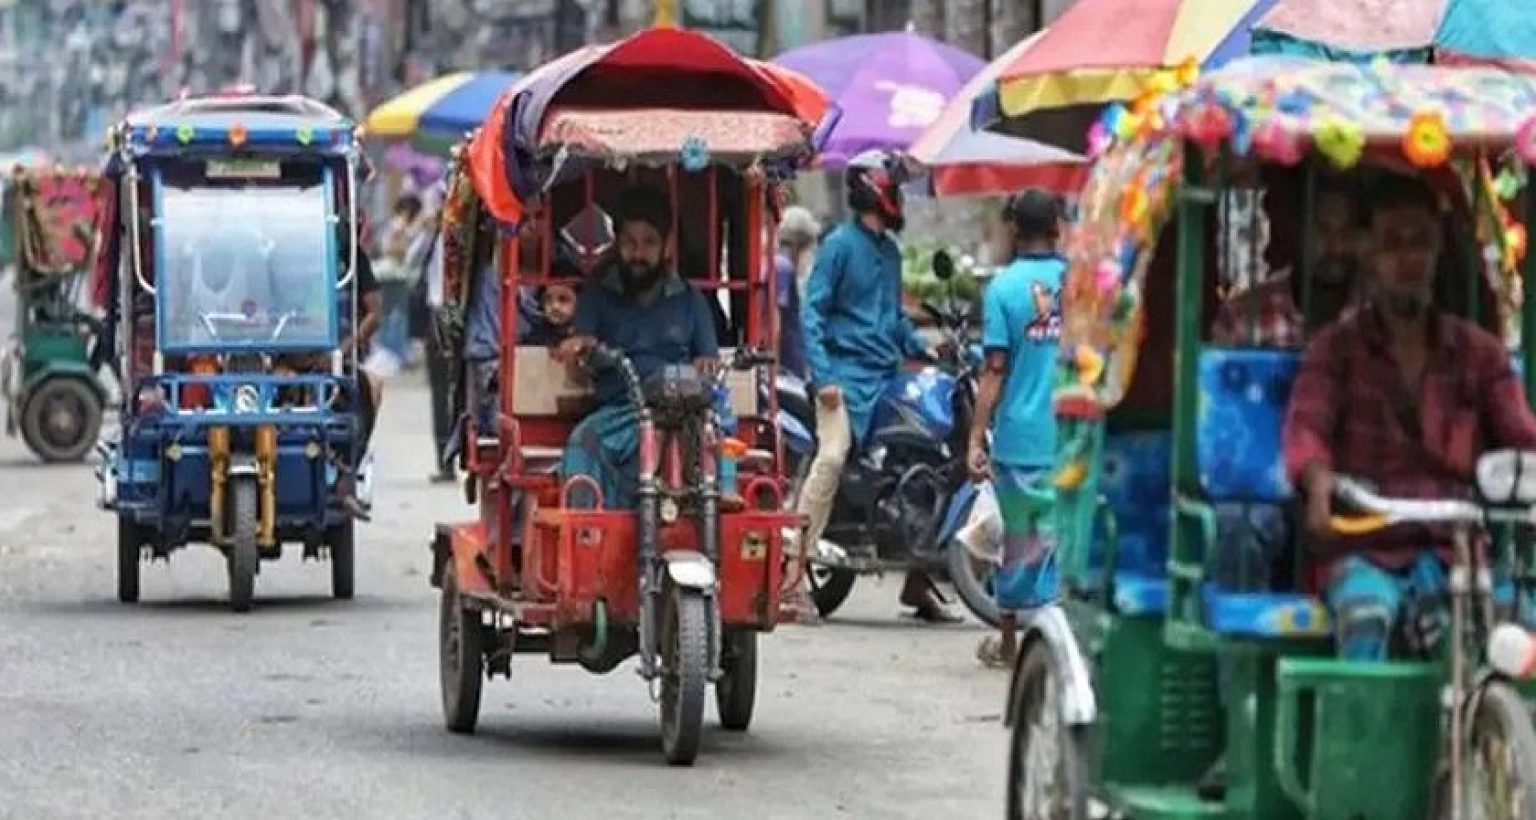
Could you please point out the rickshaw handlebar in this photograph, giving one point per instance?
(1366, 502)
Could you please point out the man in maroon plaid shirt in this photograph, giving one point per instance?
(1406, 397)
(1269, 313)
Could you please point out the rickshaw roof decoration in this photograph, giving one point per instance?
(232, 123)
(674, 135)
(1279, 109)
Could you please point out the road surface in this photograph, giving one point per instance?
(177, 708)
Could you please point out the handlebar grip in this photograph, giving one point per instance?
(1357, 524)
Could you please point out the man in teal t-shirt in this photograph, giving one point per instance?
(1021, 323)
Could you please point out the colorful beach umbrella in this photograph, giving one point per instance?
(889, 87)
(1103, 51)
(962, 160)
(1446, 31)
(439, 112)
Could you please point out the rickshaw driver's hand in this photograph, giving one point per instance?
(830, 397)
(1317, 482)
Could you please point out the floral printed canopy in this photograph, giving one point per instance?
(1437, 122)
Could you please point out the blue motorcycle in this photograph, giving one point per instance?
(905, 493)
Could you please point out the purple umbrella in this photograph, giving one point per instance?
(889, 87)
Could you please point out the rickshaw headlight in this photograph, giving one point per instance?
(247, 399)
(668, 510)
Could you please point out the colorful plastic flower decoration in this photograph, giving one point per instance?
(1090, 365)
(305, 135)
(1525, 142)
(237, 135)
(185, 133)
(694, 155)
(1187, 72)
(1515, 242)
(1208, 127)
(1098, 140)
(1340, 141)
(1133, 206)
(1106, 277)
(1427, 144)
(1278, 144)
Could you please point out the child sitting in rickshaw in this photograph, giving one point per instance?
(1405, 395)
(638, 305)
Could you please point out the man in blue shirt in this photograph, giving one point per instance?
(1021, 324)
(856, 338)
(640, 307)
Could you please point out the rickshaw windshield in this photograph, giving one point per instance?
(246, 266)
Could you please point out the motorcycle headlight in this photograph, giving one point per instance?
(247, 399)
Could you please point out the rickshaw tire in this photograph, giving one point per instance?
(243, 557)
(686, 643)
(130, 541)
(736, 691)
(32, 420)
(1501, 705)
(340, 541)
(1039, 663)
(830, 596)
(461, 677)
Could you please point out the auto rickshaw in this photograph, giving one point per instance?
(49, 376)
(689, 578)
(232, 250)
(1175, 646)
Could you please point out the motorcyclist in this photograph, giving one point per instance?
(856, 338)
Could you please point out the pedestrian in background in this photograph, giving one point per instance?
(798, 240)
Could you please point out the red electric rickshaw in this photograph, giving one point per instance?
(690, 577)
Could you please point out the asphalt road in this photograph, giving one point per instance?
(177, 708)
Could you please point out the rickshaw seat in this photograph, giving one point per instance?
(1135, 483)
(1243, 397)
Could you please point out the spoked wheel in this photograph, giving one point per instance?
(1500, 781)
(61, 419)
(973, 579)
(130, 540)
(243, 558)
(684, 674)
(736, 691)
(461, 644)
(339, 540)
(1047, 759)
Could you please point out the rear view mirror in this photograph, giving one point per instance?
(943, 266)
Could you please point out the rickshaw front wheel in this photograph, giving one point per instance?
(685, 674)
(243, 555)
(736, 691)
(1047, 758)
(1500, 781)
(461, 644)
(130, 541)
(60, 419)
(339, 541)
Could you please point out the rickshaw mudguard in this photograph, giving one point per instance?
(64, 369)
(691, 569)
(466, 546)
(1048, 626)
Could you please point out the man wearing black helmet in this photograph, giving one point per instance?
(856, 337)
(1021, 324)
(638, 305)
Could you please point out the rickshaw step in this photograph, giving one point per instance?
(1163, 803)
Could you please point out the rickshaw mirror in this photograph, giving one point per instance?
(588, 235)
(943, 265)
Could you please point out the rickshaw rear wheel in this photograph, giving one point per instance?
(1037, 689)
(243, 556)
(61, 419)
(461, 644)
(1500, 727)
(339, 541)
(736, 691)
(685, 674)
(130, 541)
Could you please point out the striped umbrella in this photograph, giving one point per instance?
(1103, 51)
(1445, 31)
(435, 115)
(963, 161)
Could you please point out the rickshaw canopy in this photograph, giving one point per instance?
(1443, 124)
(290, 124)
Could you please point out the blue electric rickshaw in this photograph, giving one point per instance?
(234, 244)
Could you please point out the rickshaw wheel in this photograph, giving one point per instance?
(130, 540)
(1501, 766)
(1041, 744)
(736, 691)
(243, 557)
(685, 675)
(339, 541)
(461, 642)
(61, 419)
